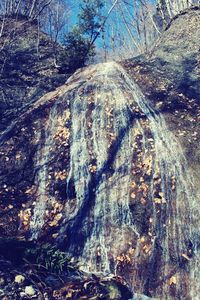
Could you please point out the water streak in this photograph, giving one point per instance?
(43, 158)
(110, 115)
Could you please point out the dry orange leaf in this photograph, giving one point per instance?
(185, 256)
(172, 280)
(133, 196)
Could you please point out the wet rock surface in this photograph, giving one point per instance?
(106, 168)
(170, 78)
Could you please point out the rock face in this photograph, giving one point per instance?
(106, 167)
(176, 55)
(170, 78)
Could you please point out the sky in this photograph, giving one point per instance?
(118, 38)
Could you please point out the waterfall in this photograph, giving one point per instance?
(43, 156)
(178, 201)
(126, 165)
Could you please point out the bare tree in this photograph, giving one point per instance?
(167, 9)
(136, 23)
(137, 28)
(55, 22)
(29, 8)
(51, 17)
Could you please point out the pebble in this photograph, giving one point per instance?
(29, 290)
(22, 294)
(19, 278)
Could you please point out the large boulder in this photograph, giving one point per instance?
(106, 167)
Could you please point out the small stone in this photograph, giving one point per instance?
(29, 290)
(19, 278)
(22, 294)
(46, 297)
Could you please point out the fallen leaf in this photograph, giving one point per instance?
(133, 196)
(172, 280)
(185, 256)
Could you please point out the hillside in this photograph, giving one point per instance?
(106, 168)
(28, 68)
(170, 78)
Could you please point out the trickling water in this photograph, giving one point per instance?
(114, 131)
(79, 160)
(42, 164)
(178, 210)
(112, 216)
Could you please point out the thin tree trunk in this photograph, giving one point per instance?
(2, 25)
(129, 31)
(34, 3)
